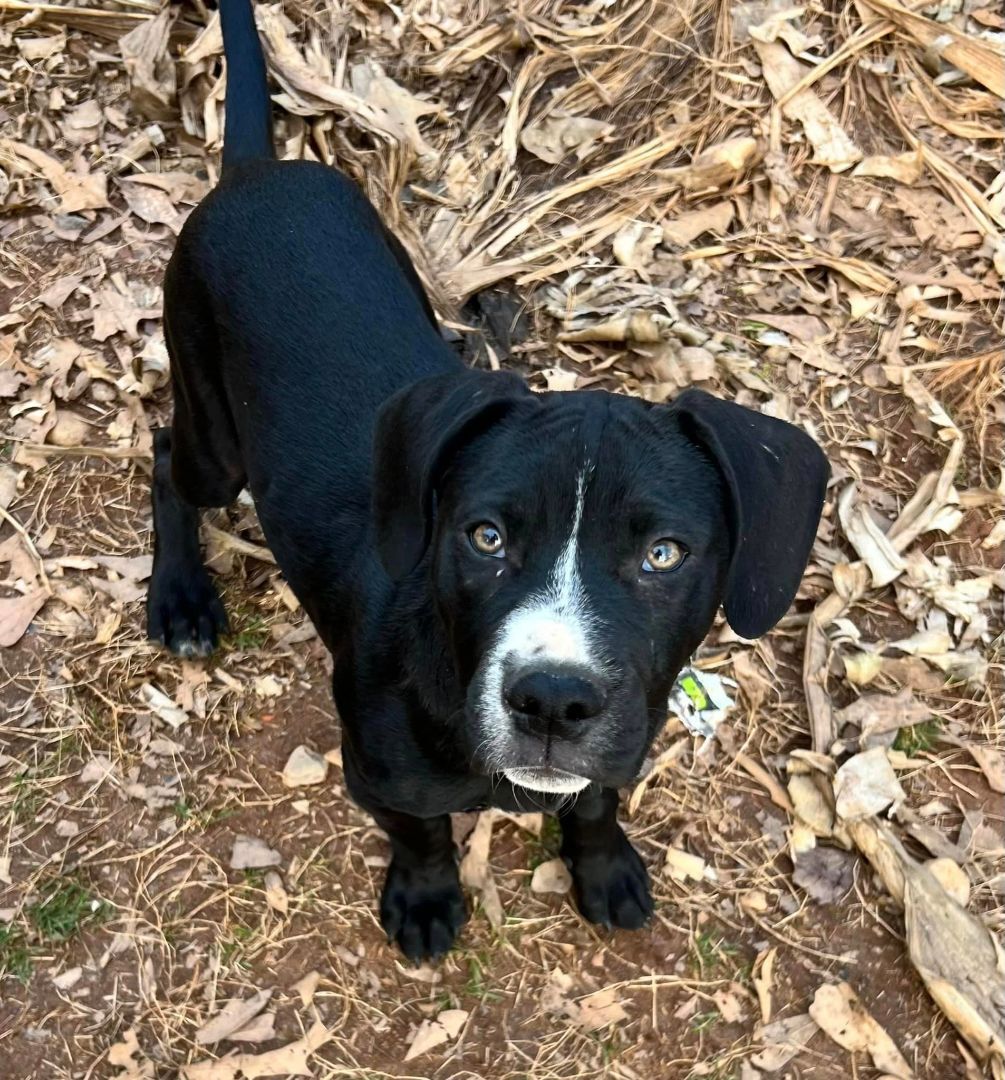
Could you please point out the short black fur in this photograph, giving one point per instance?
(307, 364)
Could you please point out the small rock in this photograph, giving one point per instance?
(250, 853)
(551, 877)
(68, 978)
(69, 430)
(67, 828)
(304, 767)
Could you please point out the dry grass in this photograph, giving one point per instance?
(696, 239)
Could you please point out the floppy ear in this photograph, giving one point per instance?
(776, 476)
(419, 429)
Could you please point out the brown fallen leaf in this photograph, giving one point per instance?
(906, 168)
(150, 67)
(783, 1040)
(877, 714)
(16, 613)
(76, 190)
(958, 958)
(832, 145)
(555, 138)
(685, 228)
(837, 1010)
(434, 1032)
(276, 895)
(152, 206)
(289, 1060)
(992, 764)
(720, 164)
(232, 1017)
(261, 1029)
(591, 1012)
(121, 307)
(122, 1055)
(866, 785)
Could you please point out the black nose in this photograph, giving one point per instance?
(555, 696)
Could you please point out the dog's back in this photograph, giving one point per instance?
(281, 280)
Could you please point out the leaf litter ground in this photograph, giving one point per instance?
(800, 208)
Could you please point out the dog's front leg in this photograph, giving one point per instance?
(611, 882)
(422, 906)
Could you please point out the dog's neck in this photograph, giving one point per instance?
(430, 672)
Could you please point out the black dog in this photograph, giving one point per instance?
(509, 581)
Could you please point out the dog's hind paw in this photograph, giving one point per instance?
(183, 611)
(422, 909)
(612, 887)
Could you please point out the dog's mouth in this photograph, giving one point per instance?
(547, 780)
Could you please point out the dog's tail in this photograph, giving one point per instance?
(247, 132)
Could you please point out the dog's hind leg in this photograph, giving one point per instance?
(184, 612)
(196, 463)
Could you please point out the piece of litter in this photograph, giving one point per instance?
(699, 699)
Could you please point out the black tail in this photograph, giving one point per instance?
(247, 132)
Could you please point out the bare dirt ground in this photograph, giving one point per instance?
(797, 208)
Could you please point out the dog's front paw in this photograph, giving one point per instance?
(183, 611)
(612, 885)
(422, 908)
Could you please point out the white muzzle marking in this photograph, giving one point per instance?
(551, 627)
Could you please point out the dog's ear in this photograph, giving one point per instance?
(776, 477)
(419, 429)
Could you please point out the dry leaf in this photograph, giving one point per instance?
(555, 138)
(307, 987)
(832, 145)
(77, 190)
(150, 67)
(685, 228)
(432, 1033)
(958, 958)
(592, 1012)
(289, 1060)
(16, 613)
(866, 784)
(907, 168)
(952, 877)
(783, 1040)
(838, 1011)
(683, 866)
(261, 1029)
(232, 1017)
(992, 764)
(122, 1055)
(877, 714)
(276, 895)
(152, 206)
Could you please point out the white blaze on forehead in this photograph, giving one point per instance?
(553, 625)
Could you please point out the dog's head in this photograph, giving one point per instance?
(577, 546)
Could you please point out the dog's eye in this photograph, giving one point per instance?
(486, 539)
(664, 555)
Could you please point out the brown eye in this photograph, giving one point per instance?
(486, 539)
(664, 555)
